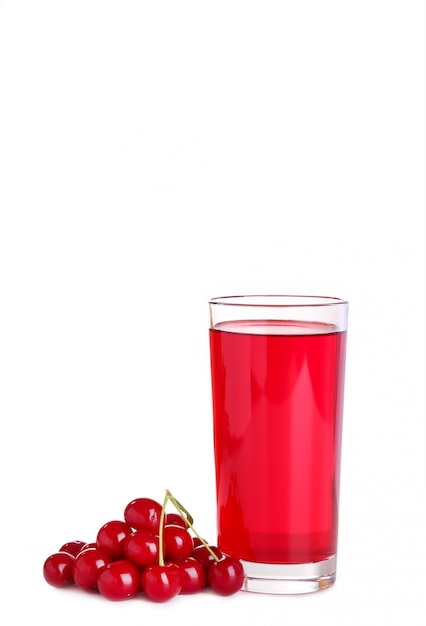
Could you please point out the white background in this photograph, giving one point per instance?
(154, 155)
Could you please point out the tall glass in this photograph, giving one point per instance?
(277, 365)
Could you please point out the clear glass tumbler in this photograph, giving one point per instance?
(277, 365)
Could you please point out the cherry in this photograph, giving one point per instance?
(178, 543)
(57, 569)
(141, 548)
(119, 580)
(226, 576)
(111, 537)
(205, 557)
(87, 566)
(143, 514)
(193, 575)
(197, 541)
(72, 547)
(161, 582)
(175, 519)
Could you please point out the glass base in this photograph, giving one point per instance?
(289, 579)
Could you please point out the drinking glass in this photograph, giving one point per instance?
(277, 366)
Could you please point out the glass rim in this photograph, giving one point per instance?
(278, 301)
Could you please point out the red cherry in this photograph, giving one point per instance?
(178, 543)
(226, 576)
(197, 542)
(193, 575)
(111, 537)
(119, 580)
(87, 566)
(175, 519)
(204, 557)
(161, 582)
(141, 548)
(72, 547)
(57, 569)
(143, 514)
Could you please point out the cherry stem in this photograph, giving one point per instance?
(189, 522)
(160, 531)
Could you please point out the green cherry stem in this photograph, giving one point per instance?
(189, 522)
(160, 530)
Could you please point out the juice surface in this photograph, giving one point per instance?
(277, 405)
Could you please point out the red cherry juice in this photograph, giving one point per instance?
(277, 407)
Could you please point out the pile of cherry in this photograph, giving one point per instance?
(150, 552)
